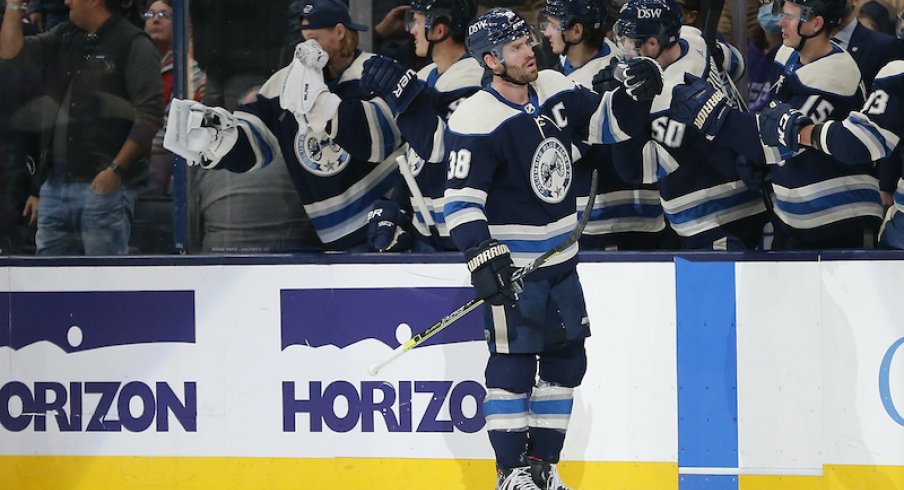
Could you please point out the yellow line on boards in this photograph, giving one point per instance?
(191, 473)
(834, 477)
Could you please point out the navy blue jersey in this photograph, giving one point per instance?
(423, 125)
(699, 185)
(874, 132)
(339, 175)
(510, 173)
(815, 193)
(619, 206)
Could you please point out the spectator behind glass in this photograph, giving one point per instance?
(105, 103)
(158, 25)
(17, 145)
(390, 35)
(239, 45)
(870, 49)
(762, 72)
(873, 15)
(47, 14)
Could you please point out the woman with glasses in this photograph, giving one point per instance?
(158, 24)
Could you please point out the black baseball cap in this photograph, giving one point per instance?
(328, 13)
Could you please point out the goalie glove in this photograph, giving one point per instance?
(201, 135)
(780, 125)
(491, 267)
(697, 102)
(304, 92)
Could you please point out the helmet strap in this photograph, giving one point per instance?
(804, 37)
(505, 76)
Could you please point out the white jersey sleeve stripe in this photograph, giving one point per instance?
(604, 128)
(263, 142)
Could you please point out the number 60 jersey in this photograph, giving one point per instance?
(510, 174)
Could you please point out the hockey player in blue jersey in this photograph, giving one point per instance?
(625, 216)
(422, 104)
(820, 200)
(871, 134)
(510, 197)
(704, 198)
(335, 138)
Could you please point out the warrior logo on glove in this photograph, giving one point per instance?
(319, 154)
(551, 171)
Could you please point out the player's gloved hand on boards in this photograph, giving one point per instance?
(643, 79)
(491, 267)
(604, 80)
(391, 81)
(201, 135)
(386, 228)
(780, 125)
(697, 102)
(751, 173)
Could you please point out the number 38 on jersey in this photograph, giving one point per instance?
(459, 164)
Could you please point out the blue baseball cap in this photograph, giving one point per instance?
(328, 13)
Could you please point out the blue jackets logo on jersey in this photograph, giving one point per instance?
(342, 317)
(319, 154)
(551, 171)
(76, 321)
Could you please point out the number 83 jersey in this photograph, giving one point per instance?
(510, 171)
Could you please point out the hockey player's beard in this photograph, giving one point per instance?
(520, 75)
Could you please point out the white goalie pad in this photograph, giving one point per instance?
(200, 134)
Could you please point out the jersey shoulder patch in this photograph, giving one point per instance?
(549, 83)
(424, 72)
(836, 73)
(465, 73)
(480, 114)
(356, 69)
(694, 61)
(584, 75)
(892, 69)
(273, 87)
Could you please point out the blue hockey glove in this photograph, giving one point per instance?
(780, 125)
(491, 267)
(604, 80)
(386, 228)
(752, 174)
(389, 80)
(643, 79)
(697, 102)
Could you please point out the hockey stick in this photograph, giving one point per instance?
(417, 197)
(712, 11)
(466, 308)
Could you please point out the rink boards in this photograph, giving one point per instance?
(703, 374)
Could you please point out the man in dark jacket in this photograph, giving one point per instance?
(102, 105)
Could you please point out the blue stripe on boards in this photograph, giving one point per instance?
(707, 367)
(707, 482)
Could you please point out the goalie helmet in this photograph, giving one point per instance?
(591, 13)
(455, 13)
(830, 10)
(493, 30)
(639, 20)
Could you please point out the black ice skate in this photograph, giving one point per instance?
(546, 475)
(515, 479)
